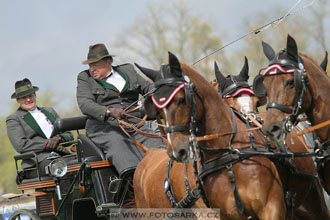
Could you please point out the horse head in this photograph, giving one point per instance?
(176, 100)
(235, 90)
(286, 85)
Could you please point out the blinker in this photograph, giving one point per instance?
(164, 94)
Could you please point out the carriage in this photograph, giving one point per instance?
(87, 187)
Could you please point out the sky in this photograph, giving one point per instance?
(46, 41)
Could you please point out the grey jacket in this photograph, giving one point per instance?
(94, 96)
(25, 134)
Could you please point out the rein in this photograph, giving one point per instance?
(213, 136)
(313, 128)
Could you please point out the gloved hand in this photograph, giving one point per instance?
(62, 150)
(115, 112)
(51, 143)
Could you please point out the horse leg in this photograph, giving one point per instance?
(274, 203)
(315, 202)
(274, 209)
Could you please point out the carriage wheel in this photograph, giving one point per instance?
(18, 213)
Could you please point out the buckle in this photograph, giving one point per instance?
(114, 184)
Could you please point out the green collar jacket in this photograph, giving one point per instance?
(25, 134)
(94, 96)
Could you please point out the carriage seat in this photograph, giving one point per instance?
(89, 149)
(86, 148)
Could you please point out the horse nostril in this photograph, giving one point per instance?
(183, 154)
(274, 128)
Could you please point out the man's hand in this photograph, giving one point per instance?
(62, 150)
(51, 143)
(115, 112)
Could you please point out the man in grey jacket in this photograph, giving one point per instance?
(104, 92)
(31, 128)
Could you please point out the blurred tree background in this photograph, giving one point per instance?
(171, 27)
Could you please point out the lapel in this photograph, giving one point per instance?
(105, 84)
(110, 86)
(28, 118)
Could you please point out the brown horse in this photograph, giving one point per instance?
(236, 92)
(149, 179)
(297, 84)
(238, 186)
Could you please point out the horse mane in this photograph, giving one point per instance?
(319, 77)
(308, 61)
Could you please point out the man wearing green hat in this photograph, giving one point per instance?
(104, 93)
(31, 128)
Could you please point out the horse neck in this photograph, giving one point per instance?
(319, 112)
(217, 116)
(218, 120)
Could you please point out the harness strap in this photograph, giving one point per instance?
(281, 107)
(133, 109)
(142, 121)
(200, 184)
(190, 199)
(176, 128)
(212, 136)
(150, 135)
(238, 200)
(167, 184)
(141, 146)
(254, 121)
(237, 155)
(186, 202)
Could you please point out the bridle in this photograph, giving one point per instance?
(189, 90)
(235, 88)
(301, 82)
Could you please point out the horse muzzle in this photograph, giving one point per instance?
(181, 153)
(275, 132)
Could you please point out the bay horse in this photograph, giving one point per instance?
(294, 84)
(236, 92)
(239, 187)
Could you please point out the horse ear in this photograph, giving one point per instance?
(152, 74)
(268, 51)
(175, 66)
(324, 63)
(291, 48)
(150, 108)
(259, 89)
(219, 76)
(245, 70)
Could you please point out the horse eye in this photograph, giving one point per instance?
(289, 83)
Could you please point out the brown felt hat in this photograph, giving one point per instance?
(23, 88)
(97, 52)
